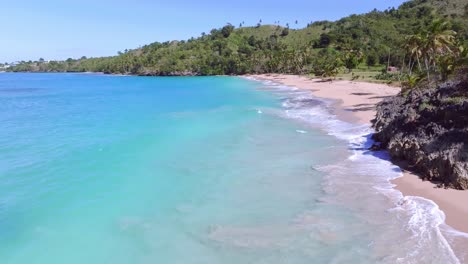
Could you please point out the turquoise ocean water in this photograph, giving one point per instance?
(116, 169)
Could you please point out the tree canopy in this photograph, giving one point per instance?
(404, 37)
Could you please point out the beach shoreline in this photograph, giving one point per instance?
(356, 104)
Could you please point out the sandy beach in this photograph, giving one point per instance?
(356, 103)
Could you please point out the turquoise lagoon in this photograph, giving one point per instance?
(118, 169)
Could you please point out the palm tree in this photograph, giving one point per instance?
(414, 46)
(439, 41)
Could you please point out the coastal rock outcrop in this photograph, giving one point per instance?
(428, 128)
(172, 73)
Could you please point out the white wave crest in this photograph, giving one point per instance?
(374, 170)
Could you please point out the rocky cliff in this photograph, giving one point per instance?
(428, 128)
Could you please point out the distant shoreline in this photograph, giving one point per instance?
(356, 105)
(118, 74)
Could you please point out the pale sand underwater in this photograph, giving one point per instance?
(199, 170)
(356, 104)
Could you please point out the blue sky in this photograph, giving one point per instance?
(55, 29)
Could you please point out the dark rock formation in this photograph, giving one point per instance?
(175, 73)
(428, 128)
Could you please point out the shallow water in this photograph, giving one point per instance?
(99, 169)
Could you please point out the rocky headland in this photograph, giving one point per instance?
(427, 127)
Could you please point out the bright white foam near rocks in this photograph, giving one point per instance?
(408, 229)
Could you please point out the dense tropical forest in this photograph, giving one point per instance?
(417, 39)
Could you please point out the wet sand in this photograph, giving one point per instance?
(357, 102)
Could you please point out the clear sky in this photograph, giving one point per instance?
(59, 29)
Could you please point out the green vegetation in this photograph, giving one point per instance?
(455, 100)
(425, 105)
(437, 49)
(420, 39)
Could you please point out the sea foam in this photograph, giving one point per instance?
(421, 219)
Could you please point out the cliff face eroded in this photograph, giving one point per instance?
(428, 128)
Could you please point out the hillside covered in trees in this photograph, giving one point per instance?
(399, 37)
